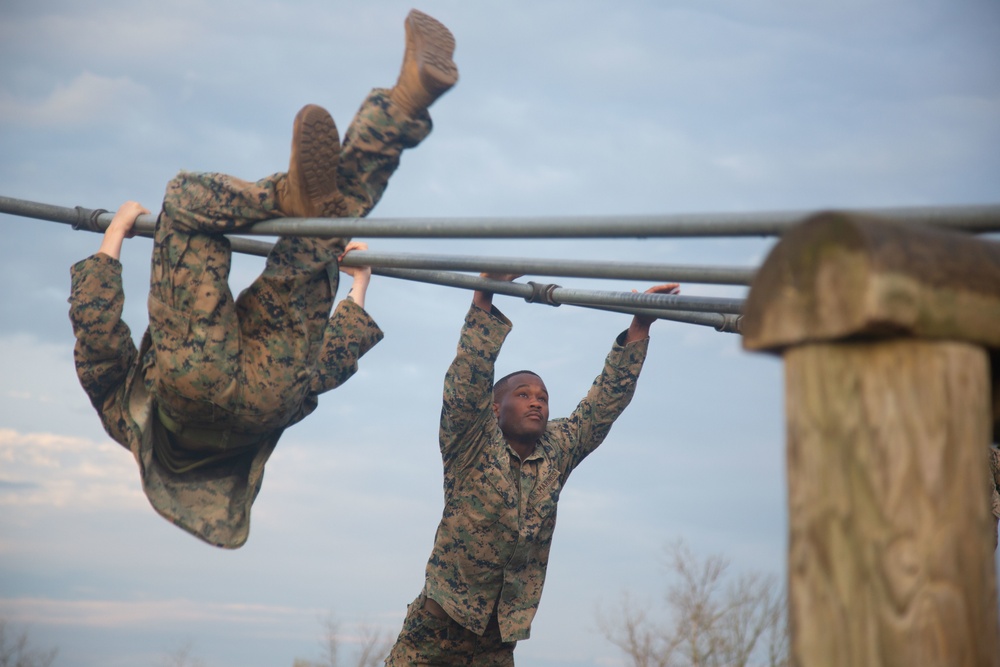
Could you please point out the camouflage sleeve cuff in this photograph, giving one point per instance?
(492, 326)
(357, 325)
(628, 354)
(98, 263)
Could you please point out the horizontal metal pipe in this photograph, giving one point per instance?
(727, 323)
(718, 275)
(724, 323)
(774, 223)
(262, 248)
(984, 218)
(574, 297)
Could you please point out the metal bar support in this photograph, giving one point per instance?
(985, 218)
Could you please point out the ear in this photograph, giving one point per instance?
(496, 409)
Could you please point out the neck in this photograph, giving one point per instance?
(522, 448)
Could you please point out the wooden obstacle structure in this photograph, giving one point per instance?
(886, 332)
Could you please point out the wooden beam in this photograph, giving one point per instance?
(887, 333)
(838, 276)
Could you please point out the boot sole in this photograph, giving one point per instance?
(433, 45)
(319, 155)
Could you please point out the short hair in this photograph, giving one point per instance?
(500, 386)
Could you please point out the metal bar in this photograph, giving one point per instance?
(723, 322)
(970, 218)
(718, 275)
(610, 301)
(984, 218)
(574, 297)
(727, 323)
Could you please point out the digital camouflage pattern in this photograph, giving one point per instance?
(492, 545)
(227, 377)
(429, 640)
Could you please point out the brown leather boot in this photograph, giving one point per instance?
(309, 189)
(428, 70)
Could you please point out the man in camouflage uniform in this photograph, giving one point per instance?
(505, 465)
(215, 381)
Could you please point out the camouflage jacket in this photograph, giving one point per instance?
(492, 545)
(212, 502)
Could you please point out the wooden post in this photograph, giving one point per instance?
(886, 332)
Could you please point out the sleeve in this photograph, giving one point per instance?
(609, 395)
(468, 384)
(104, 350)
(350, 333)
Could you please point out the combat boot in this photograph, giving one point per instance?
(309, 189)
(428, 70)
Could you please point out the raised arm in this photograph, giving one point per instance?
(613, 389)
(484, 299)
(122, 227)
(104, 350)
(467, 403)
(350, 333)
(361, 275)
(639, 328)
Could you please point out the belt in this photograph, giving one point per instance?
(206, 438)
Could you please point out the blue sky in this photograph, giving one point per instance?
(562, 108)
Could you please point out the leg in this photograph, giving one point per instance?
(283, 314)
(428, 640)
(391, 121)
(191, 311)
(245, 364)
(491, 650)
(375, 140)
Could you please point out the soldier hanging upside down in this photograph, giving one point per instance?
(215, 381)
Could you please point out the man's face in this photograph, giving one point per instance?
(522, 409)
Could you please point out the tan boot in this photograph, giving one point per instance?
(428, 70)
(309, 189)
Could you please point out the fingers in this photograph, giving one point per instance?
(506, 277)
(355, 271)
(666, 288)
(124, 219)
(355, 245)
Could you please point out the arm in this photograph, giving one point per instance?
(639, 329)
(122, 227)
(468, 387)
(350, 333)
(613, 389)
(362, 275)
(104, 352)
(483, 299)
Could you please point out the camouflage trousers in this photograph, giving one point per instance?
(245, 365)
(427, 640)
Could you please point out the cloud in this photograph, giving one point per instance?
(139, 613)
(88, 100)
(43, 470)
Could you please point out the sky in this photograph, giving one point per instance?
(568, 108)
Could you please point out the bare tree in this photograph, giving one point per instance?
(16, 650)
(714, 620)
(374, 647)
(183, 656)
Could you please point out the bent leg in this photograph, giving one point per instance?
(218, 203)
(282, 318)
(192, 316)
(429, 640)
